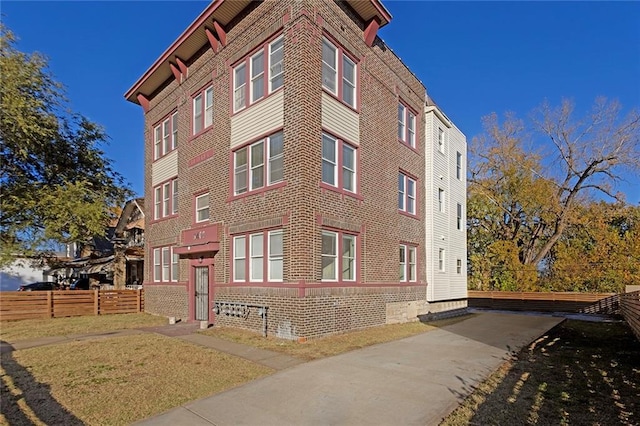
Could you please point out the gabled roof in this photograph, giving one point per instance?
(127, 212)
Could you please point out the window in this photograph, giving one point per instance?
(441, 260)
(337, 67)
(407, 263)
(459, 216)
(203, 110)
(441, 140)
(459, 266)
(338, 255)
(406, 126)
(441, 200)
(165, 136)
(166, 199)
(458, 166)
(257, 247)
(157, 265)
(263, 78)
(174, 203)
(165, 265)
(338, 164)
(202, 208)
(406, 194)
(251, 171)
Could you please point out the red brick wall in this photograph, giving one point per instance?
(383, 81)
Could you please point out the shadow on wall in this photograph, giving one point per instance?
(23, 397)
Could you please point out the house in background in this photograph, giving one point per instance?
(296, 168)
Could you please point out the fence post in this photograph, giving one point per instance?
(50, 303)
(139, 300)
(96, 302)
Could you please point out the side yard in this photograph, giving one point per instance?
(579, 373)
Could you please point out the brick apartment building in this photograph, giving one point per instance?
(298, 180)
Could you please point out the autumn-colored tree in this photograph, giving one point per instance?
(600, 251)
(525, 198)
(56, 184)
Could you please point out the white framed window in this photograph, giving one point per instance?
(276, 64)
(406, 194)
(157, 212)
(175, 272)
(157, 266)
(458, 166)
(260, 162)
(441, 202)
(441, 260)
(259, 74)
(202, 208)
(174, 198)
(339, 171)
(166, 264)
(459, 266)
(165, 136)
(441, 140)
(408, 263)
(239, 258)
(459, 216)
(276, 256)
(336, 63)
(256, 248)
(338, 267)
(406, 125)
(240, 87)
(165, 199)
(256, 252)
(203, 110)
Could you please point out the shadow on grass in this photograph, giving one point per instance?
(23, 397)
(578, 373)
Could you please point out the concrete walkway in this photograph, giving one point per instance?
(413, 381)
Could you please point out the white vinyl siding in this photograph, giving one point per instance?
(164, 168)
(265, 117)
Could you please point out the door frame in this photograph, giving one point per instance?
(193, 264)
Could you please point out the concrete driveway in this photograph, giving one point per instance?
(413, 381)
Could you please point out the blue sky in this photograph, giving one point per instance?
(474, 57)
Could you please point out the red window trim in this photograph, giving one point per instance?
(247, 258)
(232, 195)
(358, 259)
(416, 199)
(153, 198)
(264, 46)
(159, 123)
(339, 188)
(417, 247)
(194, 198)
(405, 141)
(192, 117)
(339, 96)
(153, 265)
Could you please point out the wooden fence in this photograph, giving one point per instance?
(543, 302)
(16, 305)
(630, 308)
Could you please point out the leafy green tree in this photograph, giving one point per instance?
(528, 197)
(56, 183)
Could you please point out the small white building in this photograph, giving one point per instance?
(445, 211)
(22, 271)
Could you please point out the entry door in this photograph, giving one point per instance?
(202, 293)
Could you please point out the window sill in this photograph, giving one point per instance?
(200, 133)
(343, 192)
(260, 191)
(411, 215)
(405, 144)
(334, 96)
